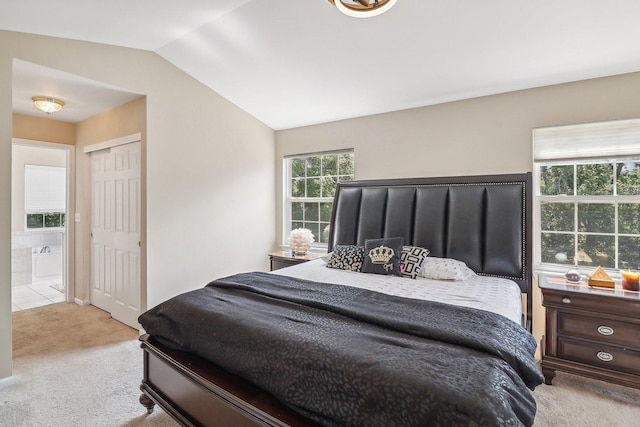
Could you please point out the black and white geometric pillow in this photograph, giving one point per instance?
(412, 259)
(347, 257)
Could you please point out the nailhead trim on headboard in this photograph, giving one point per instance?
(454, 206)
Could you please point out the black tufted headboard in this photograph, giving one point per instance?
(481, 220)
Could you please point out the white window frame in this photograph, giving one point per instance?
(575, 200)
(288, 199)
(603, 142)
(45, 192)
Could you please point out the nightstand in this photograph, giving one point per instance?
(590, 331)
(282, 259)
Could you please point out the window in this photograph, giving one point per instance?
(45, 220)
(590, 213)
(587, 180)
(44, 196)
(311, 182)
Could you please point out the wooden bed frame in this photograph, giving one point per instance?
(428, 212)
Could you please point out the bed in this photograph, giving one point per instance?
(364, 354)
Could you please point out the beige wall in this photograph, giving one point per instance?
(43, 129)
(28, 155)
(121, 121)
(5, 221)
(488, 135)
(209, 169)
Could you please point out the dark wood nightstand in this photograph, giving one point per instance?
(282, 259)
(590, 331)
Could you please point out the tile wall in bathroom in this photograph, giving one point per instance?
(23, 244)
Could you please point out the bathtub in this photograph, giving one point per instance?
(46, 264)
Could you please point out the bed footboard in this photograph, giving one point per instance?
(196, 393)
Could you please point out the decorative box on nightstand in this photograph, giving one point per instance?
(282, 259)
(590, 331)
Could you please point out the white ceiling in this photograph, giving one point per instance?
(83, 97)
(296, 62)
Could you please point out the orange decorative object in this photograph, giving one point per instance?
(600, 278)
(630, 280)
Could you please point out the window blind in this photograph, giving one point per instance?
(617, 138)
(44, 188)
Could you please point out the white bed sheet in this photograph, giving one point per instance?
(501, 296)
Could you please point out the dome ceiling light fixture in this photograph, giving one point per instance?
(363, 8)
(47, 104)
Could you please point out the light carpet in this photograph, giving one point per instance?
(75, 366)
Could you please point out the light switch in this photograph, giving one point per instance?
(76, 217)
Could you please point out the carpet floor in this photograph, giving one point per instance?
(75, 366)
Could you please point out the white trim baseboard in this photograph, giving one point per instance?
(81, 302)
(7, 382)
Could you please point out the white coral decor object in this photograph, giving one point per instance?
(300, 240)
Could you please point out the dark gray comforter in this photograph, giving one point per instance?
(349, 357)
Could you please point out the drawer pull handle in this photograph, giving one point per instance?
(566, 300)
(604, 356)
(605, 330)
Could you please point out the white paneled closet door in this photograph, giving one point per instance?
(115, 231)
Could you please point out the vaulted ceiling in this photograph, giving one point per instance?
(292, 63)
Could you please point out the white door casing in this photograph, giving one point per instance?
(68, 267)
(115, 231)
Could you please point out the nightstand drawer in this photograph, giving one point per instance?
(604, 356)
(285, 259)
(277, 264)
(604, 330)
(592, 300)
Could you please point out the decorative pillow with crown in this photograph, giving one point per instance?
(383, 256)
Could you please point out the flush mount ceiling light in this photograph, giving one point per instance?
(47, 104)
(363, 8)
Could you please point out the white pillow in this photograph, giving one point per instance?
(445, 269)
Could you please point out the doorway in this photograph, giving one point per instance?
(40, 231)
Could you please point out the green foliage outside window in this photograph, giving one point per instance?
(596, 217)
(629, 218)
(314, 181)
(35, 220)
(586, 216)
(628, 174)
(557, 248)
(45, 220)
(557, 216)
(555, 180)
(628, 249)
(595, 179)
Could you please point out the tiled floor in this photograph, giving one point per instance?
(37, 294)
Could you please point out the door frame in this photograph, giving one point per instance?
(68, 243)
